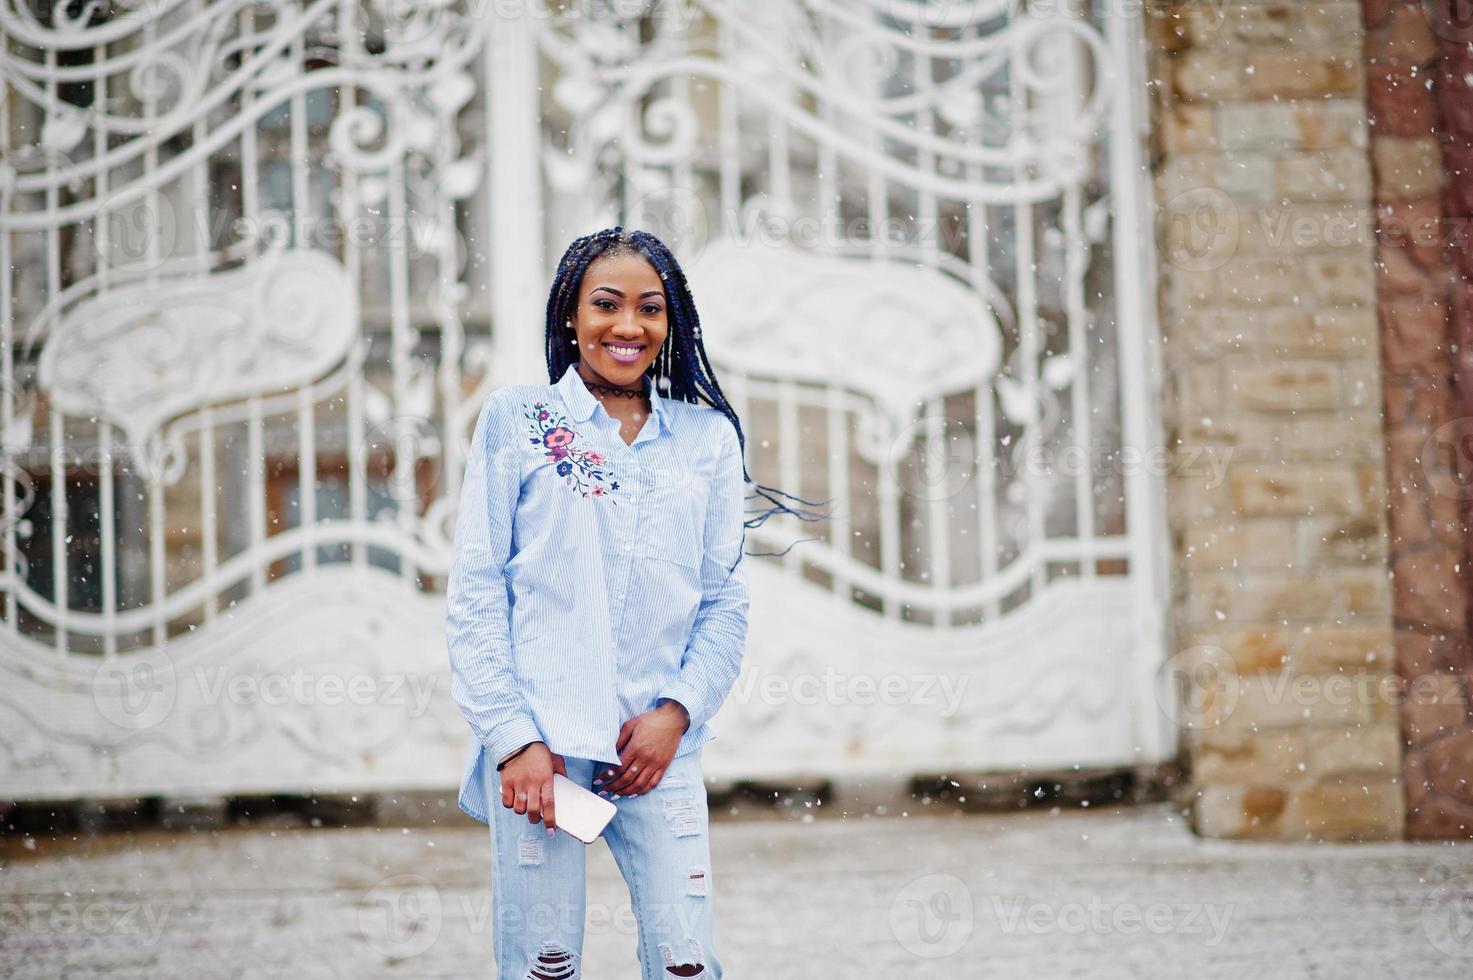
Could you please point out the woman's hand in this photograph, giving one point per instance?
(647, 743)
(526, 784)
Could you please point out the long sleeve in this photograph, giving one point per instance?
(483, 678)
(713, 655)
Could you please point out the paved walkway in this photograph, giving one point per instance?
(1110, 893)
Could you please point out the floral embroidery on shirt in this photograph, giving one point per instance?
(582, 469)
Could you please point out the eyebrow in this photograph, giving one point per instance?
(618, 293)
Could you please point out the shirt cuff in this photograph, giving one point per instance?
(688, 698)
(521, 732)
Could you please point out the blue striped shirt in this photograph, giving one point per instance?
(592, 578)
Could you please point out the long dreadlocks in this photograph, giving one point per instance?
(681, 369)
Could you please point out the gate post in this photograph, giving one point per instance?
(514, 140)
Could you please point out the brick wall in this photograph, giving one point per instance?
(1283, 604)
(1420, 100)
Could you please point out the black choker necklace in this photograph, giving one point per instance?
(626, 392)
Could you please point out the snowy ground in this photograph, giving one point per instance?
(1119, 893)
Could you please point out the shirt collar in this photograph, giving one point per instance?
(581, 403)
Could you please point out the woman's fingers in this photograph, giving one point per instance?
(624, 777)
(535, 803)
(519, 799)
(647, 781)
(549, 809)
(635, 777)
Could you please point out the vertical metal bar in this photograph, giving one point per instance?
(515, 197)
(209, 516)
(1140, 376)
(208, 491)
(7, 392)
(58, 527)
(256, 493)
(736, 391)
(158, 557)
(681, 173)
(1028, 347)
(200, 176)
(108, 543)
(350, 209)
(836, 409)
(1077, 315)
(789, 467)
(307, 476)
(302, 237)
(1071, 97)
(878, 202)
(938, 521)
(59, 514)
(779, 162)
(984, 421)
(632, 164)
(100, 231)
(357, 464)
(452, 339)
(401, 352)
(779, 176)
(157, 528)
(251, 211)
(730, 164)
(842, 530)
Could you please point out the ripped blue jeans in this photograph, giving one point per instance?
(659, 841)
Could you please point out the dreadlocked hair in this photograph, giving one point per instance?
(681, 369)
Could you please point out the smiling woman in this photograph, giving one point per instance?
(597, 604)
(620, 325)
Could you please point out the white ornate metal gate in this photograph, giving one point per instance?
(258, 247)
(914, 234)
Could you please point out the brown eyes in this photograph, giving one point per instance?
(649, 309)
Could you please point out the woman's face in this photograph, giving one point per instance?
(620, 320)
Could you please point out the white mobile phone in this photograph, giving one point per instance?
(580, 812)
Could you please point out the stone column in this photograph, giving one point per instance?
(1268, 312)
(1421, 119)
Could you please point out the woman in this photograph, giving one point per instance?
(597, 608)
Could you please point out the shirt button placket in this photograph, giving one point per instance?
(633, 499)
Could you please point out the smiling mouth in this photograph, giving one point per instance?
(625, 352)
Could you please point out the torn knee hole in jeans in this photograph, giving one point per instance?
(554, 962)
(529, 851)
(681, 815)
(693, 965)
